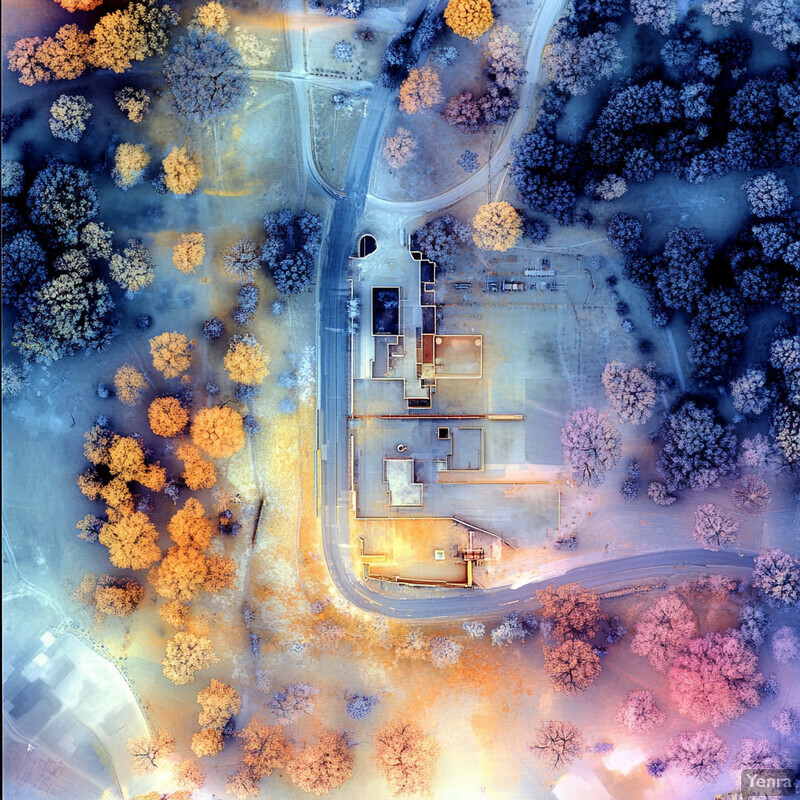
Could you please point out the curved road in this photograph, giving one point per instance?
(332, 432)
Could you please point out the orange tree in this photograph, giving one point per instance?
(421, 89)
(189, 526)
(263, 746)
(181, 171)
(174, 613)
(189, 252)
(167, 416)
(496, 226)
(185, 655)
(132, 541)
(469, 18)
(405, 757)
(180, 575)
(117, 596)
(207, 742)
(323, 766)
(246, 362)
(218, 431)
(172, 353)
(129, 384)
(219, 703)
(189, 774)
(220, 574)
(198, 473)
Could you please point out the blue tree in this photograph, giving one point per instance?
(24, 269)
(207, 77)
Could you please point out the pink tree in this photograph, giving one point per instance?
(715, 678)
(591, 446)
(399, 149)
(698, 754)
(714, 528)
(759, 753)
(639, 712)
(662, 630)
(751, 494)
(462, 112)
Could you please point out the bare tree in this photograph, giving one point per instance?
(751, 494)
(714, 529)
(557, 742)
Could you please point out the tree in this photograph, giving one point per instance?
(60, 57)
(219, 703)
(24, 269)
(61, 199)
(662, 630)
(510, 629)
(189, 774)
(571, 666)
(129, 384)
(167, 416)
(190, 528)
(263, 747)
(172, 353)
(639, 712)
(469, 18)
(323, 766)
(777, 578)
(207, 742)
(246, 362)
(787, 724)
(96, 238)
(786, 645)
(181, 171)
(399, 148)
(698, 754)
(439, 239)
(207, 77)
(220, 574)
(475, 630)
(180, 575)
(242, 784)
(681, 274)
(778, 19)
(294, 700)
(25, 57)
(13, 178)
(463, 112)
(185, 655)
(189, 252)
(576, 64)
(591, 446)
(134, 103)
(714, 529)
(291, 247)
(147, 752)
(751, 494)
(68, 117)
(698, 449)
(659, 494)
(421, 89)
(631, 392)
(660, 14)
(405, 757)
(759, 754)
(130, 161)
(506, 62)
(174, 613)
(138, 31)
(557, 742)
(715, 678)
(132, 541)
(218, 431)
(198, 472)
(212, 16)
(625, 233)
(133, 269)
(117, 596)
(724, 12)
(573, 611)
(767, 194)
(496, 226)
(445, 651)
(751, 392)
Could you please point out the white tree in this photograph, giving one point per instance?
(778, 19)
(475, 630)
(591, 445)
(786, 645)
(639, 712)
(631, 392)
(724, 12)
(660, 14)
(714, 529)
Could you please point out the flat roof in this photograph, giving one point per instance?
(398, 474)
(458, 355)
